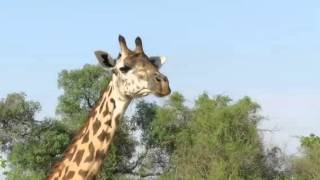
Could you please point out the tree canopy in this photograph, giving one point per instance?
(81, 89)
(218, 140)
(17, 115)
(307, 166)
(215, 138)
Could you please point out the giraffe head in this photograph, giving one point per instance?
(135, 74)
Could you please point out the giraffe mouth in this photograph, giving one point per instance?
(162, 89)
(142, 92)
(163, 92)
(161, 95)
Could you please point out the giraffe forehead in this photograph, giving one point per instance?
(137, 60)
(145, 66)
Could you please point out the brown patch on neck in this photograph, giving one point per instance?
(96, 125)
(78, 157)
(69, 175)
(83, 173)
(85, 138)
(91, 151)
(117, 119)
(113, 103)
(108, 123)
(100, 155)
(91, 177)
(103, 135)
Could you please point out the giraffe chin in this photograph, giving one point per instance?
(162, 94)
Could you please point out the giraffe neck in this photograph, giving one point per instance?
(83, 158)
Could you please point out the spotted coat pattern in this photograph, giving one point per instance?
(84, 156)
(134, 75)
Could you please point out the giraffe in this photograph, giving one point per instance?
(134, 75)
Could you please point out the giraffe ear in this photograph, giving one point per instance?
(157, 61)
(105, 59)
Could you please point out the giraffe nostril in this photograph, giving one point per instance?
(165, 79)
(158, 78)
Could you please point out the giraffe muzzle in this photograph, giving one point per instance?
(162, 85)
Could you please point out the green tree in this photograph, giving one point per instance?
(34, 157)
(277, 164)
(159, 125)
(309, 142)
(120, 154)
(152, 158)
(169, 121)
(220, 141)
(17, 115)
(81, 89)
(216, 139)
(307, 166)
(143, 118)
(3, 162)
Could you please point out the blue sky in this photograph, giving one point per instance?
(268, 50)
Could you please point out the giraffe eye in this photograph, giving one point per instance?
(125, 69)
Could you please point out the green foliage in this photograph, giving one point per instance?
(17, 115)
(170, 120)
(277, 164)
(119, 154)
(215, 139)
(47, 140)
(308, 165)
(38, 152)
(143, 117)
(23, 174)
(81, 89)
(220, 141)
(310, 141)
(3, 162)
